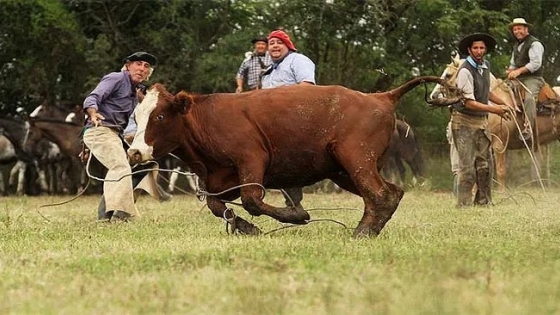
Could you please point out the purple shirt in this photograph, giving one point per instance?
(114, 98)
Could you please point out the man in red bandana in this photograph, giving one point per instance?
(288, 68)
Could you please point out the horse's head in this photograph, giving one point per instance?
(449, 75)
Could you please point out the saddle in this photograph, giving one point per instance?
(548, 101)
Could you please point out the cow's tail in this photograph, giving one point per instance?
(397, 93)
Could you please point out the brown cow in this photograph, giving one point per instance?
(278, 138)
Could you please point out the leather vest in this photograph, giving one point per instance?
(481, 84)
(521, 58)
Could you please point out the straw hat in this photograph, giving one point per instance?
(519, 21)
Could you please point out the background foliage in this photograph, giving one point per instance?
(57, 50)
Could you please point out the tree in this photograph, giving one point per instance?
(41, 54)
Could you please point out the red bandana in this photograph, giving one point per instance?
(285, 38)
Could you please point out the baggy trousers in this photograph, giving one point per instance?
(474, 149)
(106, 145)
(534, 85)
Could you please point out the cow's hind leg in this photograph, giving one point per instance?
(381, 198)
(239, 224)
(384, 203)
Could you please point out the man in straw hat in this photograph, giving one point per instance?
(526, 66)
(469, 121)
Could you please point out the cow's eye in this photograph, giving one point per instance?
(159, 117)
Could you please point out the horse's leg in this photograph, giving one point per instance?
(500, 158)
(2, 185)
(546, 153)
(536, 166)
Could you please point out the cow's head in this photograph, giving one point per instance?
(165, 130)
(139, 151)
(158, 120)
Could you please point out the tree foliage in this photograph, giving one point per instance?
(57, 50)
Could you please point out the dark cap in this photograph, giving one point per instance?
(259, 39)
(141, 56)
(467, 41)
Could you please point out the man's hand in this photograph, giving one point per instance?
(95, 117)
(503, 111)
(514, 73)
(239, 89)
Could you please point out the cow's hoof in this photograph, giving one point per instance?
(246, 228)
(364, 230)
(294, 215)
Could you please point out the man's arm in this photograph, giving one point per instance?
(239, 88)
(536, 52)
(239, 78)
(304, 70)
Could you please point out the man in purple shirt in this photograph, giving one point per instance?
(108, 108)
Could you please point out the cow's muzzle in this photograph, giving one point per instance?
(136, 156)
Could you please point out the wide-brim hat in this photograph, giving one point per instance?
(141, 56)
(467, 41)
(519, 21)
(259, 39)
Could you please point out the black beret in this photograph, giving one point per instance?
(259, 39)
(142, 56)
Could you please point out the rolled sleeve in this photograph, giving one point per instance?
(303, 69)
(535, 57)
(465, 83)
(242, 69)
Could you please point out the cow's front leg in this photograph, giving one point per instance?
(252, 199)
(238, 224)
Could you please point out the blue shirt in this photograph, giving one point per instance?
(114, 98)
(293, 69)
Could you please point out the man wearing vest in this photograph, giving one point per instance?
(469, 121)
(526, 66)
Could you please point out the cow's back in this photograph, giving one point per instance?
(296, 126)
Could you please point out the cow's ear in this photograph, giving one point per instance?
(183, 102)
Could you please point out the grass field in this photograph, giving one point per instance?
(178, 259)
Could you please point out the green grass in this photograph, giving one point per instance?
(177, 259)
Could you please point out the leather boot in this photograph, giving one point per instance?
(482, 196)
(464, 195)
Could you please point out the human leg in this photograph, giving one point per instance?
(533, 85)
(293, 196)
(466, 176)
(106, 146)
(482, 165)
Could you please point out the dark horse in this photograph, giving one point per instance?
(403, 147)
(66, 135)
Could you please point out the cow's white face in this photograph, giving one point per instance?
(139, 151)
